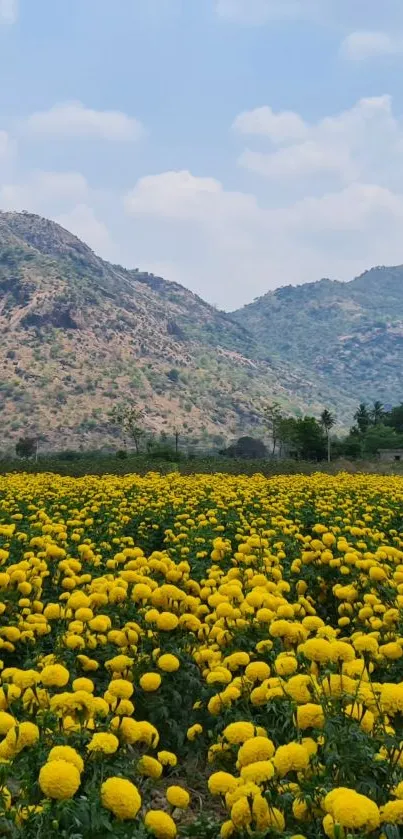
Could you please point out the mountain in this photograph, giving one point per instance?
(349, 335)
(79, 335)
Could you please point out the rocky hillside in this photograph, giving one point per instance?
(79, 335)
(350, 334)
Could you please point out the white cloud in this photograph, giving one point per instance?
(279, 128)
(230, 247)
(346, 146)
(8, 11)
(227, 247)
(184, 197)
(354, 209)
(304, 159)
(42, 190)
(359, 46)
(73, 119)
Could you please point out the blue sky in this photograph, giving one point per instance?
(230, 145)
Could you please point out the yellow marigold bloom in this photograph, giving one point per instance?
(160, 824)
(6, 722)
(398, 791)
(391, 698)
(178, 797)
(150, 682)
(392, 812)
(286, 664)
(276, 819)
(255, 749)
(239, 732)
(167, 758)
(257, 671)
(23, 735)
(310, 716)
(132, 731)
(54, 675)
(99, 707)
(83, 684)
(68, 754)
(25, 678)
(291, 758)
(103, 742)
(221, 676)
(366, 644)
(167, 622)
(299, 688)
(5, 799)
(168, 663)
(236, 660)
(392, 651)
(365, 718)
(241, 815)
(121, 688)
(258, 772)
(59, 779)
(121, 797)
(101, 623)
(74, 642)
(317, 649)
(194, 731)
(352, 810)
(227, 829)
(87, 664)
(249, 789)
(261, 813)
(221, 782)
(150, 767)
(341, 651)
(119, 663)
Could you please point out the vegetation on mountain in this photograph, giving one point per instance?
(349, 335)
(80, 336)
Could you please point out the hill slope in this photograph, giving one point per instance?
(351, 334)
(80, 335)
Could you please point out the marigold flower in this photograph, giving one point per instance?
(59, 779)
(54, 675)
(121, 797)
(103, 742)
(178, 797)
(160, 824)
(150, 682)
(150, 767)
(68, 754)
(169, 663)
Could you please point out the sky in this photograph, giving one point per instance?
(233, 146)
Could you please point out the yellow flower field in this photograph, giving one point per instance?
(201, 656)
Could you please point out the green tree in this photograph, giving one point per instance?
(327, 422)
(131, 421)
(26, 447)
(377, 413)
(394, 418)
(381, 437)
(273, 417)
(362, 418)
(304, 437)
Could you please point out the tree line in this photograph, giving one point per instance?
(302, 438)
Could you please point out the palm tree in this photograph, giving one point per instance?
(327, 421)
(362, 418)
(377, 413)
